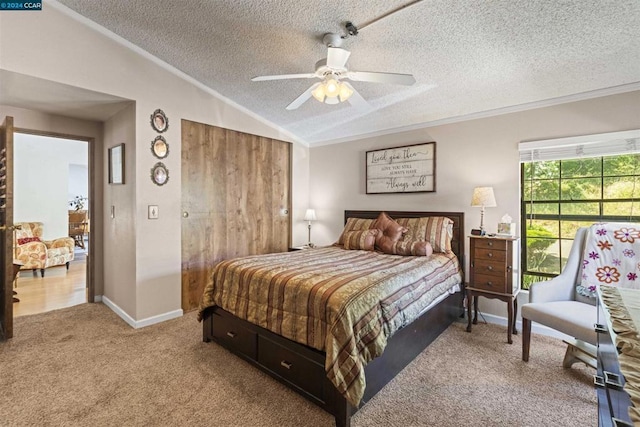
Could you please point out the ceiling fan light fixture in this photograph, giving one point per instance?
(319, 93)
(332, 88)
(345, 92)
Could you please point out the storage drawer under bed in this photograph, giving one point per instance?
(292, 367)
(229, 333)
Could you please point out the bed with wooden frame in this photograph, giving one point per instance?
(302, 368)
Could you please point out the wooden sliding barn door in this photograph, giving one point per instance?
(235, 200)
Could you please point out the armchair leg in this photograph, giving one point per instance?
(67, 264)
(526, 338)
(35, 273)
(42, 272)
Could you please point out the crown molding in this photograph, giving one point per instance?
(598, 93)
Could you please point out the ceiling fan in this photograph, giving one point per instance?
(332, 71)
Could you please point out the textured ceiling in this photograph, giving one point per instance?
(468, 56)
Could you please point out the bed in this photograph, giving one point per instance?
(339, 355)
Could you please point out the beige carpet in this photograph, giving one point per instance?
(83, 366)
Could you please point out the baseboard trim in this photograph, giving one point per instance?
(535, 327)
(159, 318)
(136, 324)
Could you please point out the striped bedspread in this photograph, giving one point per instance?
(346, 303)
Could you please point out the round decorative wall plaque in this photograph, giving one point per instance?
(159, 121)
(160, 147)
(159, 174)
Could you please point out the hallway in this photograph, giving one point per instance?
(58, 289)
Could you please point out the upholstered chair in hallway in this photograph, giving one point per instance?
(37, 254)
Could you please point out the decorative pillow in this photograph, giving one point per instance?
(28, 240)
(364, 239)
(412, 247)
(437, 230)
(354, 224)
(390, 232)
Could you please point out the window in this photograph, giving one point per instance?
(561, 194)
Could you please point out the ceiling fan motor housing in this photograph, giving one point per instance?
(332, 40)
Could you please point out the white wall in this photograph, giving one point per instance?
(78, 182)
(468, 154)
(41, 180)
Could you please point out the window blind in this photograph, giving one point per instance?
(605, 144)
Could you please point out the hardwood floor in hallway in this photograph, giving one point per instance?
(58, 289)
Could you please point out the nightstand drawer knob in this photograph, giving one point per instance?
(490, 268)
(489, 243)
(231, 334)
(490, 254)
(489, 283)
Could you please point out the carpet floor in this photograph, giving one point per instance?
(84, 366)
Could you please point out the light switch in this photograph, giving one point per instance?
(153, 212)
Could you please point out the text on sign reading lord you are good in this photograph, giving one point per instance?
(401, 169)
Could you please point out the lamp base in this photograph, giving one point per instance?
(477, 232)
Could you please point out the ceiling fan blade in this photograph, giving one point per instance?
(302, 98)
(284, 76)
(356, 99)
(367, 76)
(336, 57)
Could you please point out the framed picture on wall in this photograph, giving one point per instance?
(159, 121)
(116, 164)
(407, 169)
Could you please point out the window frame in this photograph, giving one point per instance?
(559, 217)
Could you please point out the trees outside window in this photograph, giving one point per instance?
(559, 196)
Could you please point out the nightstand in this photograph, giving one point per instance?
(494, 274)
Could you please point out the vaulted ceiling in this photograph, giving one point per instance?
(469, 57)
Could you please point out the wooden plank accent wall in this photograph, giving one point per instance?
(235, 188)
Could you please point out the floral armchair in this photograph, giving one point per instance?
(35, 253)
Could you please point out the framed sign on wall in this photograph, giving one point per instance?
(406, 169)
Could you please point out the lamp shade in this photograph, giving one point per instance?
(318, 93)
(310, 215)
(483, 197)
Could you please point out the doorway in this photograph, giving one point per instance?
(51, 187)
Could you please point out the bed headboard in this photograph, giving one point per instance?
(457, 243)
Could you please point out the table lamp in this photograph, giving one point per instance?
(482, 197)
(309, 216)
